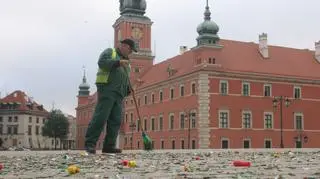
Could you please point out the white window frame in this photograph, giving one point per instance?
(195, 119)
(294, 89)
(160, 100)
(159, 129)
(145, 102)
(295, 120)
(184, 120)
(131, 119)
(195, 88)
(184, 90)
(264, 90)
(264, 120)
(171, 127)
(126, 117)
(228, 119)
(154, 98)
(155, 123)
(242, 88)
(243, 112)
(145, 119)
(171, 89)
(220, 84)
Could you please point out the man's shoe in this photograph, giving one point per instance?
(90, 150)
(111, 150)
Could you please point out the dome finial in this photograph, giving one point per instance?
(84, 79)
(207, 12)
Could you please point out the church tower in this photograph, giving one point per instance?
(135, 25)
(84, 91)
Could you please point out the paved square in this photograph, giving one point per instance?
(272, 163)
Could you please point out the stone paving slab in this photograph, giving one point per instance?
(158, 164)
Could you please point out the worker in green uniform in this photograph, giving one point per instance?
(112, 86)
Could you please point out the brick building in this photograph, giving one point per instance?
(218, 94)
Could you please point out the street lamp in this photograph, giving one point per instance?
(132, 127)
(276, 100)
(190, 117)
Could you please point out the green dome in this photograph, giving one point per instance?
(84, 86)
(207, 27)
(207, 30)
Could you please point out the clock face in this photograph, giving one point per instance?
(137, 33)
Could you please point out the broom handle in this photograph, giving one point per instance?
(134, 99)
(138, 112)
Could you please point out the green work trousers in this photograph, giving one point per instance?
(108, 110)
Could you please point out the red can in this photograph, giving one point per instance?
(239, 163)
(1, 166)
(125, 162)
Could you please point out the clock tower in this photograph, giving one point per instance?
(135, 25)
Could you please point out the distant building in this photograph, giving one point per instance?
(70, 141)
(21, 121)
(218, 94)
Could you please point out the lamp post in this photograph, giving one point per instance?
(279, 100)
(190, 117)
(132, 127)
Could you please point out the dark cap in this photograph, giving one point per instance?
(131, 43)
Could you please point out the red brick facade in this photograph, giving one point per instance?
(225, 91)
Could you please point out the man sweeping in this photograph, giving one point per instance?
(112, 87)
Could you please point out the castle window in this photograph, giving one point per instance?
(160, 96)
(212, 61)
(171, 93)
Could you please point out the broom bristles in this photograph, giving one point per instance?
(146, 141)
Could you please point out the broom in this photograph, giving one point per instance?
(147, 142)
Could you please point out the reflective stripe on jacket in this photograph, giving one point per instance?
(103, 75)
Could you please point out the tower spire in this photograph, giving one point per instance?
(84, 79)
(207, 12)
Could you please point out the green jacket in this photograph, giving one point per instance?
(118, 79)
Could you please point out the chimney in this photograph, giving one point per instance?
(263, 45)
(183, 49)
(317, 52)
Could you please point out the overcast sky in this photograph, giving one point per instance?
(45, 43)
